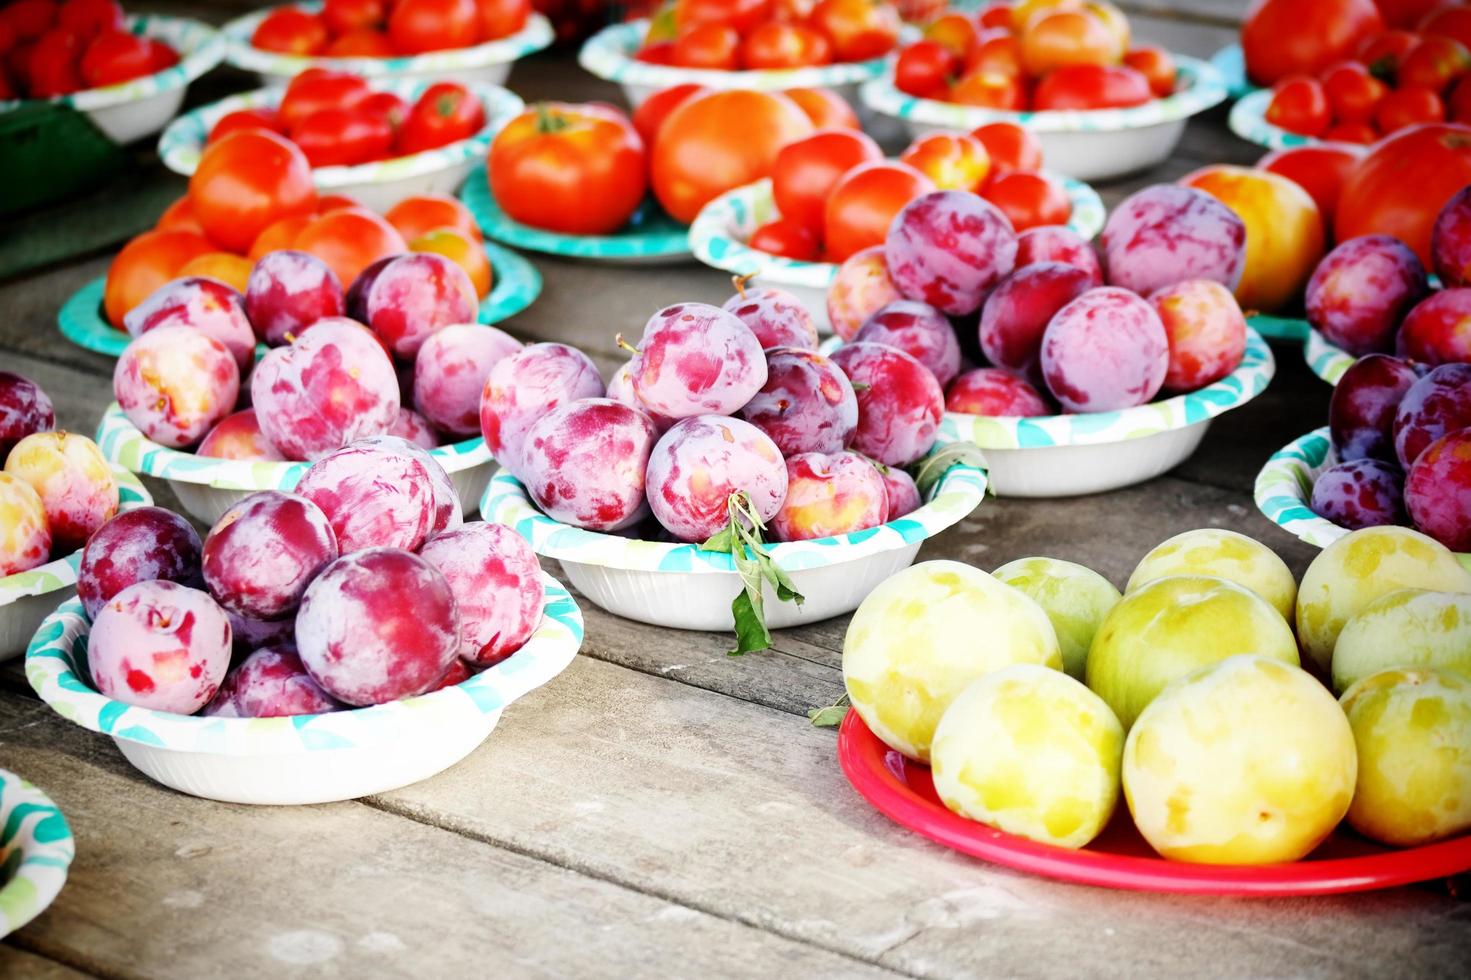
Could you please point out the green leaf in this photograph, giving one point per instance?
(831, 716)
(860, 385)
(741, 539)
(933, 467)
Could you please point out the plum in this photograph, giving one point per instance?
(356, 302)
(524, 386)
(330, 387)
(25, 538)
(378, 625)
(71, 476)
(203, 304)
(696, 466)
(620, 389)
(496, 581)
(1206, 331)
(1450, 241)
(919, 330)
(949, 249)
(1362, 410)
(806, 406)
(448, 512)
(450, 373)
(24, 408)
(860, 288)
(159, 645)
(900, 492)
(1360, 493)
(413, 428)
(373, 496)
(994, 392)
(1075, 598)
(1019, 309)
(828, 495)
(264, 551)
(1435, 405)
(1166, 233)
(248, 635)
(696, 359)
(1105, 350)
(584, 463)
(459, 672)
(1361, 290)
(1058, 243)
(1223, 554)
(239, 436)
(900, 404)
(775, 316)
(270, 683)
(174, 383)
(137, 546)
(415, 295)
(1438, 329)
(1438, 490)
(287, 292)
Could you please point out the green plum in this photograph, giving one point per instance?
(1224, 554)
(1408, 628)
(1075, 598)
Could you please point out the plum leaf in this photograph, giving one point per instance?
(741, 539)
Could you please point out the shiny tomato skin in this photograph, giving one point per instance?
(777, 45)
(291, 30)
(863, 204)
(390, 107)
(1401, 184)
(1351, 91)
(1157, 66)
(145, 263)
(1091, 87)
(366, 43)
(807, 170)
(990, 90)
(996, 51)
(925, 69)
(319, 88)
(743, 15)
(826, 108)
(418, 26)
(1299, 105)
(343, 137)
(1407, 107)
(247, 181)
(113, 57)
(417, 216)
(1029, 200)
(859, 30)
(1433, 64)
(262, 118)
(1289, 37)
(346, 16)
(713, 46)
(88, 18)
(1359, 133)
(1010, 147)
(652, 112)
(501, 18)
(1320, 169)
(954, 161)
(53, 65)
(349, 240)
(445, 113)
(786, 238)
(1382, 53)
(956, 31)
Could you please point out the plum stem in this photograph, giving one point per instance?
(618, 339)
(740, 283)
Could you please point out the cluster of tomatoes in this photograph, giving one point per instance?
(388, 28)
(339, 121)
(1036, 54)
(729, 35)
(49, 49)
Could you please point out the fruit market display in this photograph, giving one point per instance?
(58, 48)
(387, 28)
(1038, 695)
(761, 35)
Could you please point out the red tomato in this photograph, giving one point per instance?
(826, 108)
(247, 181)
(342, 137)
(1406, 107)
(863, 204)
(1320, 170)
(501, 18)
(1299, 105)
(997, 15)
(925, 69)
(53, 65)
(777, 45)
(366, 43)
(743, 15)
(859, 29)
(1352, 92)
(1010, 147)
(29, 19)
(1404, 13)
(349, 240)
(415, 217)
(1155, 64)
(1434, 64)
(160, 55)
(954, 161)
(1458, 104)
(1383, 52)
(417, 26)
(1402, 183)
(392, 109)
(1091, 87)
(955, 31)
(997, 51)
(1029, 200)
(806, 172)
(232, 122)
(320, 88)
(661, 53)
(1287, 37)
(989, 89)
(346, 16)
(445, 113)
(88, 18)
(788, 238)
(716, 46)
(1448, 20)
(179, 216)
(1360, 133)
(291, 30)
(650, 114)
(115, 57)
(576, 169)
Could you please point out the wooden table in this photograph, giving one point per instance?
(660, 809)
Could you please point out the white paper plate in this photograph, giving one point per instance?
(1248, 120)
(36, 849)
(1326, 359)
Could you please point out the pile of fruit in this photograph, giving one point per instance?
(56, 488)
(1038, 692)
(361, 587)
(337, 120)
(49, 48)
(388, 28)
(952, 277)
(1035, 55)
(729, 35)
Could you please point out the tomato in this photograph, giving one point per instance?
(446, 113)
(1401, 184)
(349, 240)
(1299, 105)
(1026, 11)
(334, 202)
(1289, 37)
(1383, 52)
(179, 216)
(1351, 132)
(826, 108)
(925, 69)
(232, 270)
(88, 18)
(464, 251)
(715, 142)
(1448, 20)
(1434, 64)
(245, 182)
(807, 170)
(955, 31)
(1113, 19)
(501, 18)
(859, 29)
(743, 15)
(145, 263)
(160, 55)
(1404, 13)
(954, 161)
(1091, 87)
(116, 57)
(1155, 64)
(291, 30)
(1458, 104)
(1000, 52)
(417, 26)
(29, 19)
(391, 108)
(1319, 169)
(650, 114)
(279, 235)
(1407, 107)
(1010, 147)
(342, 137)
(661, 53)
(989, 89)
(787, 238)
(232, 122)
(1352, 92)
(576, 169)
(1059, 38)
(1029, 200)
(316, 89)
(415, 217)
(792, 11)
(53, 65)
(777, 45)
(346, 16)
(362, 44)
(863, 204)
(716, 46)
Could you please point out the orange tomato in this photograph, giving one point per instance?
(1155, 64)
(145, 263)
(777, 45)
(1319, 169)
(1067, 37)
(332, 202)
(179, 216)
(349, 240)
(463, 251)
(954, 161)
(279, 235)
(1000, 52)
(1009, 147)
(859, 29)
(651, 112)
(1023, 13)
(230, 269)
(955, 31)
(415, 217)
(417, 26)
(1114, 20)
(247, 181)
(991, 90)
(715, 46)
(1029, 200)
(826, 108)
(863, 205)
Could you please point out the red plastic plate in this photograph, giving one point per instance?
(1120, 858)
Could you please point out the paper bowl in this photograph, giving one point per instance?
(719, 234)
(1086, 144)
(132, 110)
(1068, 455)
(36, 849)
(1248, 120)
(1326, 359)
(339, 755)
(1230, 61)
(208, 487)
(26, 597)
(685, 587)
(489, 62)
(378, 185)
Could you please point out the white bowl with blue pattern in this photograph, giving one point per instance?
(379, 184)
(1091, 452)
(26, 597)
(207, 487)
(683, 586)
(721, 230)
(141, 107)
(1248, 120)
(1087, 144)
(1230, 61)
(1326, 359)
(36, 849)
(489, 62)
(338, 755)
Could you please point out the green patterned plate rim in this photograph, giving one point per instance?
(36, 850)
(1279, 327)
(1249, 121)
(1326, 359)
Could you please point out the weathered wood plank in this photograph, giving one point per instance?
(16, 962)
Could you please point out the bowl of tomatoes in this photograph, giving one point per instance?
(457, 41)
(378, 142)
